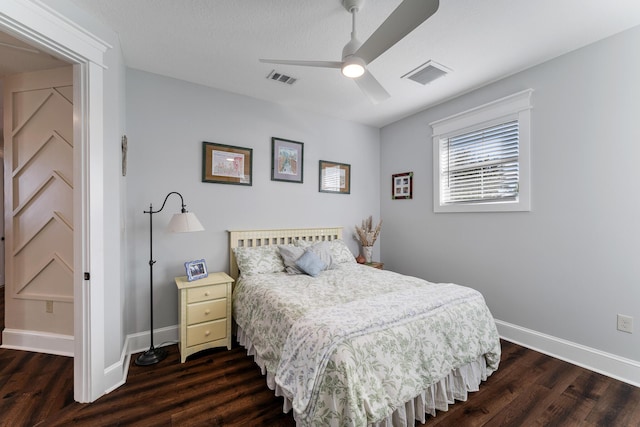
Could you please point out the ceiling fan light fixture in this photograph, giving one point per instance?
(406, 17)
(353, 67)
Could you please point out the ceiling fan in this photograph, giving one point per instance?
(356, 55)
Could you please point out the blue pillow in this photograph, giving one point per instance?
(311, 263)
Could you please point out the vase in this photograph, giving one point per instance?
(367, 251)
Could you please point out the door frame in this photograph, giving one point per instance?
(44, 28)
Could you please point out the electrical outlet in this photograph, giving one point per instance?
(625, 323)
(49, 306)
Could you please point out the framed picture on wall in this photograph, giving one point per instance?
(334, 177)
(287, 160)
(226, 164)
(402, 186)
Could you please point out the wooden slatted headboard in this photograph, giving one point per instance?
(283, 236)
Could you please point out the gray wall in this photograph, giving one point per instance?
(167, 121)
(571, 264)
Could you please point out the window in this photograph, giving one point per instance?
(481, 157)
(480, 166)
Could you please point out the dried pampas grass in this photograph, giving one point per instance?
(366, 234)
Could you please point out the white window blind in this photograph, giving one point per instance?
(481, 157)
(481, 166)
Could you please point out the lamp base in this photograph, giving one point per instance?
(151, 356)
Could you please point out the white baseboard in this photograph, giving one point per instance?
(164, 336)
(608, 364)
(116, 374)
(39, 342)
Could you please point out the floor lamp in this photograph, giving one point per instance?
(180, 223)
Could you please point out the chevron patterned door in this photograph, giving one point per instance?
(38, 141)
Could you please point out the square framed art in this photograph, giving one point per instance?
(334, 177)
(226, 164)
(402, 186)
(287, 160)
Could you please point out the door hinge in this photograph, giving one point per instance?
(87, 276)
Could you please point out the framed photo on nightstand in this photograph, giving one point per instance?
(196, 270)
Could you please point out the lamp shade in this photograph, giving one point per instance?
(184, 222)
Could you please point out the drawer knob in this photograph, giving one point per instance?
(207, 311)
(206, 294)
(206, 334)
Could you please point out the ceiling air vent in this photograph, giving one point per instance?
(282, 78)
(427, 72)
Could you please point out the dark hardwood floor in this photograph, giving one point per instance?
(225, 388)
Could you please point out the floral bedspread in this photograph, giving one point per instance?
(351, 345)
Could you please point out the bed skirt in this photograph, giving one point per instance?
(437, 396)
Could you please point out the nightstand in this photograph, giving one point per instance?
(205, 313)
(375, 264)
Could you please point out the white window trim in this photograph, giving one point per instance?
(517, 106)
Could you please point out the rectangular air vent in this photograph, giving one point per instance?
(427, 72)
(282, 78)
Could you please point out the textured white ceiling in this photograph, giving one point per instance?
(218, 43)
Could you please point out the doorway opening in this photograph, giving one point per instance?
(44, 29)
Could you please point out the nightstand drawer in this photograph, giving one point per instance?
(206, 332)
(206, 311)
(204, 293)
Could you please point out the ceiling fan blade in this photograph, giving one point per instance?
(372, 88)
(322, 64)
(407, 16)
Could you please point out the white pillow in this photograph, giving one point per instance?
(258, 260)
(322, 248)
(302, 243)
(340, 253)
(323, 251)
(290, 255)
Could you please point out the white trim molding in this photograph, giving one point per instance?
(116, 374)
(139, 341)
(518, 107)
(37, 341)
(35, 22)
(611, 365)
(41, 26)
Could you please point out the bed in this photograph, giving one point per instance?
(350, 345)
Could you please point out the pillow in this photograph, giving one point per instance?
(302, 243)
(311, 263)
(258, 260)
(290, 255)
(327, 250)
(340, 253)
(323, 251)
